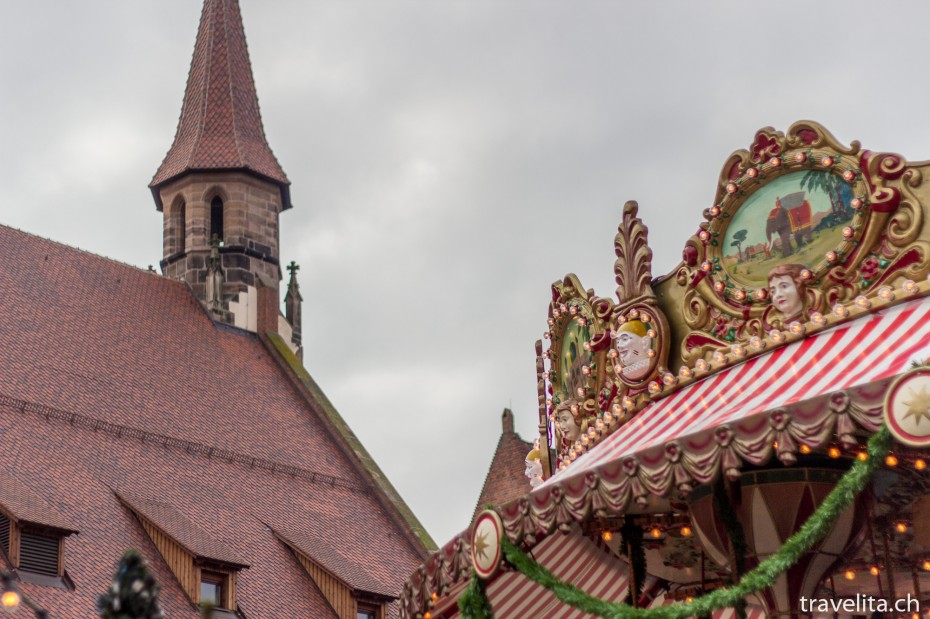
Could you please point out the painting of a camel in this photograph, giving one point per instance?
(796, 216)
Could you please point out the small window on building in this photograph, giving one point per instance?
(181, 223)
(39, 553)
(367, 613)
(5, 535)
(216, 219)
(211, 588)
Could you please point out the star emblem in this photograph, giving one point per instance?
(482, 545)
(918, 406)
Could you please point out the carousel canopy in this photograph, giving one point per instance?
(876, 347)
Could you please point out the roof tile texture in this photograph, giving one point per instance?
(98, 338)
(220, 125)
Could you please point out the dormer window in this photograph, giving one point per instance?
(206, 569)
(349, 589)
(211, 588)
(32, 535)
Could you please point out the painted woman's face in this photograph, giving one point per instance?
(568, 427)
(785, 295)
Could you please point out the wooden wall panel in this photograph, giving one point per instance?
(336, 593)
(178, 559)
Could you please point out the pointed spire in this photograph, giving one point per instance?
(220, 126)
(292, 303)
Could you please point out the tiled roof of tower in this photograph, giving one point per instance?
(220, 126)
(505, 479)
(114, 378)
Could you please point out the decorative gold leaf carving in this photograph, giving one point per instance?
(633, 268)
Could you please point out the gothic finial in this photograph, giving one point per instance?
(293, 267)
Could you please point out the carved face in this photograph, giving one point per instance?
(632, 349)
(785, 296)
(568, 426)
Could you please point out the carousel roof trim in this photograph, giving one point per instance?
(829, 361)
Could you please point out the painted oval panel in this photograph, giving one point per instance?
(573, 357)
(796, 218)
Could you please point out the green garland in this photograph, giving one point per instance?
(473, 603)
(763, 576)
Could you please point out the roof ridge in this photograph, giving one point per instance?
(190, 447)
(88, 252)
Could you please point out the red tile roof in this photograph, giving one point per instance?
(505, 479)
(114, 377)
(178, 527)
(23, 505)
(220, 126)
(327, 557)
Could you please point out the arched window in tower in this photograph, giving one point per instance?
(180, 223)
(216, 218)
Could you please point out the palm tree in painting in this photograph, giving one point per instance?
(738, 238)
(830, 184)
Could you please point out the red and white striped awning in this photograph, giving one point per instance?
(571, 557)
(875, 347)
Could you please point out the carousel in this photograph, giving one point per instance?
(746, 436)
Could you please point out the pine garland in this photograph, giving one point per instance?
(473, 603)
(763, 576)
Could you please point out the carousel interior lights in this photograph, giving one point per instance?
(827, 161)
(885, 293)
(849, 176)
(775, 162)
(874, 571)
(685, 531)
(777, 336)
(796, 328)
(856, 203)
(926, 566)
(840, 311)
(834, 452)
(818, 319)
(891, 460)
(850, 574)
(805, 449)
(701, 365)
(920, 464)
(607, 536)
(863, 302)
(910, 286)
(685, 372)
(655, 532)
(900, 526)
(862, 456)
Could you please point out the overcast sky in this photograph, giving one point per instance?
(449, 161)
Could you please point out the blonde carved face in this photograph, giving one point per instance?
(631, 350)
(567, 426)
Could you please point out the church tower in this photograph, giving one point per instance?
(220, 187)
